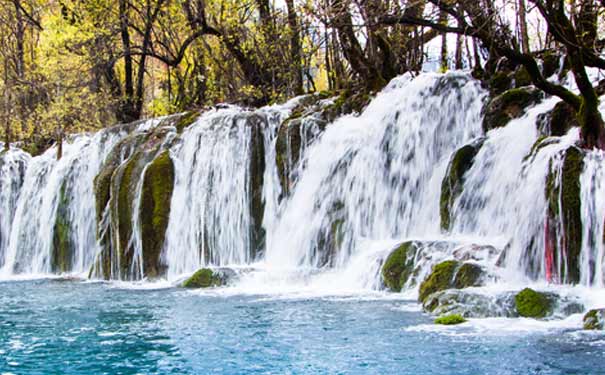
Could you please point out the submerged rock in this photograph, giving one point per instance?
(208, 278)
(594, 319)
(451, 319)
(509, 105)
(532, 304)
(453, 182)
(470, 304)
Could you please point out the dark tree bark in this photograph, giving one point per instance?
(295, 48)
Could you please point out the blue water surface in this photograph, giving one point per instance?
(70, 327)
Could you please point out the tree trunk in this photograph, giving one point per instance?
(296, 54)
(126, 110)
(443, 65)
(523, 27)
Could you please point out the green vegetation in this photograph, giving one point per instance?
(399, 266)
(594, 319)
(451, 319)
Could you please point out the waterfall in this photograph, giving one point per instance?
(213, 212)
(13, 164)
(377, 175)
(292, 194)
(54, 223)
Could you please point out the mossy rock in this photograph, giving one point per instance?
(562, 118)
(522, 77)
(158, 184)
(468, 275)
(450, 274)
(63, 247)
(185, 120)
(256, 183)
(564, 216)
(594, 320)
(451, 319)
(509, 105)
(203, 278)
(440, 278)
(532, 304)
(453, 182)
(500, 82)
(399, 266)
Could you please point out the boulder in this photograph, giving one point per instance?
(399, 266)
(532, 304)
(208, 278)
(451, 274)
(595, 319)
(509, 105)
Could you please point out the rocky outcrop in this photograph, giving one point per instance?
(158, 184)
(470, 304)
(139, 162)
(405, 265)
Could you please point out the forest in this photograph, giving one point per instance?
(75, 65)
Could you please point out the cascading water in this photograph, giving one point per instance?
(353, 189)
(60, 192)
(217, 195)
(13, 164)
(377, 175)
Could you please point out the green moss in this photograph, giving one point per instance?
(468, 275)
(522, 77)
(565, 213)
(185, 120)
(441, 278)
(399, 266)
(562, 118)
(532, 304)
(500, 82)
(203, 278)
(594, 320)
(452, 183)
(550, 63)
(450, 319)
(61, 255)
(158, 184)
(509, 105)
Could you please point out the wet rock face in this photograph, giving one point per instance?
(563, 233)
(509, 105)
(453, 182)
(137, 162)
(158, 185)
(595, 320)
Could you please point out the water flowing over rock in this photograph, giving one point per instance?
(302, 191)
